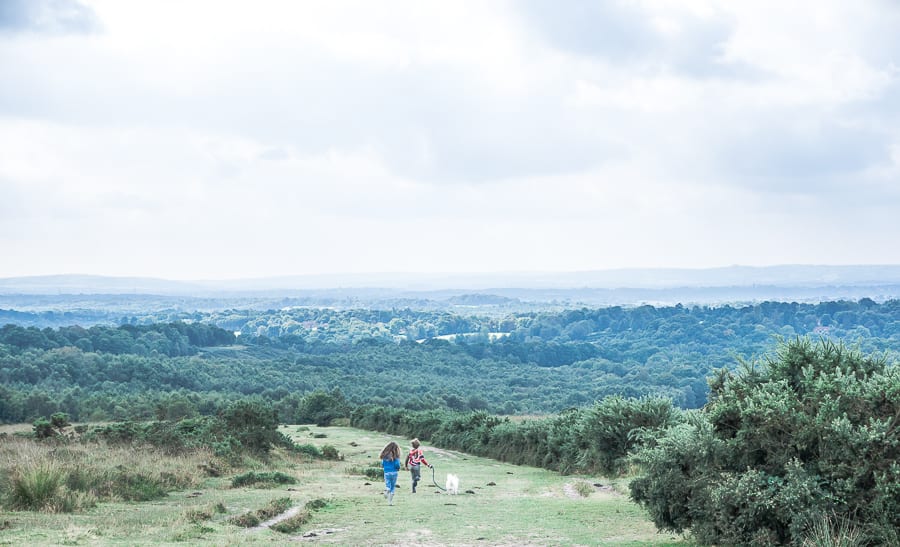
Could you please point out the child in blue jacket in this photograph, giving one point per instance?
(390, 462)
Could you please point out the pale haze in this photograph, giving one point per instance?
(222, 140)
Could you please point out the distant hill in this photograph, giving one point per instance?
(601, 287)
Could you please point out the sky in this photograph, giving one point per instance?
(220, 140)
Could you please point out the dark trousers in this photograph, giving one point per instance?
(414, 470)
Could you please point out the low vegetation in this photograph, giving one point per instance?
(62, 478)
(254, 518)
(262, 479)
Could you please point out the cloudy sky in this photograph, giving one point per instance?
(218, 140)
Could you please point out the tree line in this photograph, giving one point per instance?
(544, 362)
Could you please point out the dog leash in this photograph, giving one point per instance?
(434, 481)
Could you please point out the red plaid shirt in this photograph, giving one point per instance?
(416, 457)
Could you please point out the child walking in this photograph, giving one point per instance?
(390, 462)
(414, 460)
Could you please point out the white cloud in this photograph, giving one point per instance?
(207, 139)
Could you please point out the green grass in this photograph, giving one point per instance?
(526, 506)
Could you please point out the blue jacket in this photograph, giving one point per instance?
(391, 466)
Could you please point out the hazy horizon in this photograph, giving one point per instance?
(780, 276)
(204, 140)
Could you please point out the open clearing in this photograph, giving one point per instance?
(498, 504)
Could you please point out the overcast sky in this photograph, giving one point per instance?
(219, 140)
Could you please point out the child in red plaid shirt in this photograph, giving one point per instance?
(414, 460)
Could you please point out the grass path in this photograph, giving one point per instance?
(523, 506)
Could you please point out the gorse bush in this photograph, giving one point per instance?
(812, 432)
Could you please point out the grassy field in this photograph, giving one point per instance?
(498, 504)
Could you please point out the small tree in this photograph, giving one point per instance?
(44, 428)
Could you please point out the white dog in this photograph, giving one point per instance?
(452, 484)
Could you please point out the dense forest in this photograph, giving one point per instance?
(509, 364)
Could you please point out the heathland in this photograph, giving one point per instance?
(759, 423)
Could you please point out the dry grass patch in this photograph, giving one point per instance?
(64, 478)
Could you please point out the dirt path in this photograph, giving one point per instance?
(447, 453)
(276, 519)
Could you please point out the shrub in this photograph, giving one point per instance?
(308, 449)
(267, 478)
(197, 515)
(373, 471)
(584, 489)
(330, 453)
(811, 433)
(59, 420)
(274, 508)
(253, 424)
(291, 524)
(245, 520)
(43, 429)
(254, 518)
(316, 504)
(138, 487)
(36, 488)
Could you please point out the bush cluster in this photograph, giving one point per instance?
(597, 439)
(245, 425)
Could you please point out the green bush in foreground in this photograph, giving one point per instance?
(812, 433)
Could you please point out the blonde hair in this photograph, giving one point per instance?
(390, 451)
(415, 443)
